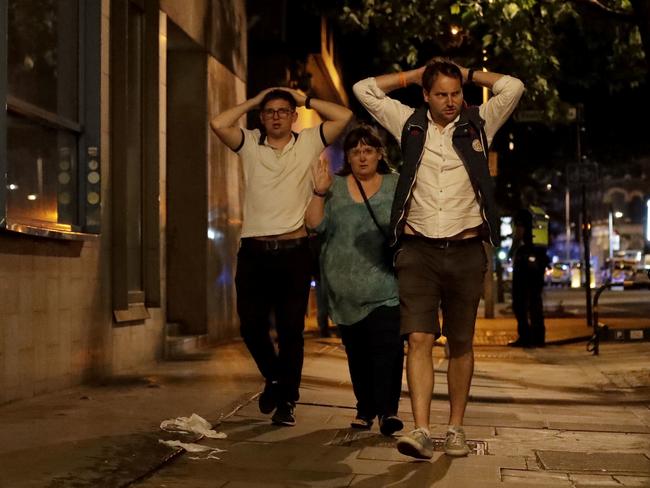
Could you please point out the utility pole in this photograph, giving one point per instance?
(586, 239)
(583, 174)
(586, 220)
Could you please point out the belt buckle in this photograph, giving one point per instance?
(273, 245)
(440, 243)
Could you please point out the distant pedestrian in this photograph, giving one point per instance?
(273, 263)
(444, 208)
(352, 213)
(528, 268)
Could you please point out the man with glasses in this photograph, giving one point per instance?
(273, 263)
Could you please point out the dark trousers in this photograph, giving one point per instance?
(274, 281)
(528, 308)
(375, 357)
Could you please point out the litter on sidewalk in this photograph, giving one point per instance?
(195, 448)
(193, 424)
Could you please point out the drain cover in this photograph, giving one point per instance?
(352, 438)
(597, 461)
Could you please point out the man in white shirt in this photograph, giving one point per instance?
(273, 263)
(443, 208)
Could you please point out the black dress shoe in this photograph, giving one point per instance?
(361, 422)
(389, 424)
(284, 414)
(267, 400)
(519, 343)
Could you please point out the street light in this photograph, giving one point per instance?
(618, 214)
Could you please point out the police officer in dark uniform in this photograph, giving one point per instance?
(529, 264)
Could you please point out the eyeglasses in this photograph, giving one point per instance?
(282, 113)
(366, 151)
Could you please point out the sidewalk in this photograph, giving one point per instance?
(551, 417)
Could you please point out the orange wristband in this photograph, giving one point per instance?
(402, 79)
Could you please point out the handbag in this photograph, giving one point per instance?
(388, 251)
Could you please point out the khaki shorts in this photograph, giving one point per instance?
(436, 275)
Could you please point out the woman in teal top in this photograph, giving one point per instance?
(362, 289)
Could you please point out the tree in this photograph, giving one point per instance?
(554, 45)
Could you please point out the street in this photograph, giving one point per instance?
(612, 303)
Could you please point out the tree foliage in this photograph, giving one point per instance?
(556, 46)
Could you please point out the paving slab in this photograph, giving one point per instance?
(599, 427)
(184, 474)
(595, 461)
(635, 481)
(592, 480)
(264, 431)
(339, 460)
(509, 441)
(535, 477)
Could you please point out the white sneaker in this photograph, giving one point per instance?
(417, 444)
(455, 443)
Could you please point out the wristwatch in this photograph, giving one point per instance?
(470, 75)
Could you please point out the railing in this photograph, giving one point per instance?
(639, 284)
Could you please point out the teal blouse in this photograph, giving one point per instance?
(352, 254)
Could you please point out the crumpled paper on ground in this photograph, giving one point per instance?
(195, 423)
(195, 448)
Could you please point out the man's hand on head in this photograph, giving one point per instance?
(441, 59)
(260, 96)
(299, 97)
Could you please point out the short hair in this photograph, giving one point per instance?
(367, 135)
(437, 68)
(278, 95)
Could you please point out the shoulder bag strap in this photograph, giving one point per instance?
(365, 200)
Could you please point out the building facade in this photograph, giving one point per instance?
(120, 211)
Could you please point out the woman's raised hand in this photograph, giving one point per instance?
(322, 175)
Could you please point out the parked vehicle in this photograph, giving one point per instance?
(559, 274)
(622, 272)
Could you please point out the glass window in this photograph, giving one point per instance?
(42, 54)
(52, 119)
(41, 174)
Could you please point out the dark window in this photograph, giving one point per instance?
(43, 54)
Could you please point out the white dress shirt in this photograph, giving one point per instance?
(443, 202)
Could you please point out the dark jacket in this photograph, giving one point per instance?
(470, 143)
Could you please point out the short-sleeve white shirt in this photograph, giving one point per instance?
(278, 183)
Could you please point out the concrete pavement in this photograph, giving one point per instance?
(551, 417)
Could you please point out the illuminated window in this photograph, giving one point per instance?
(49, 147)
